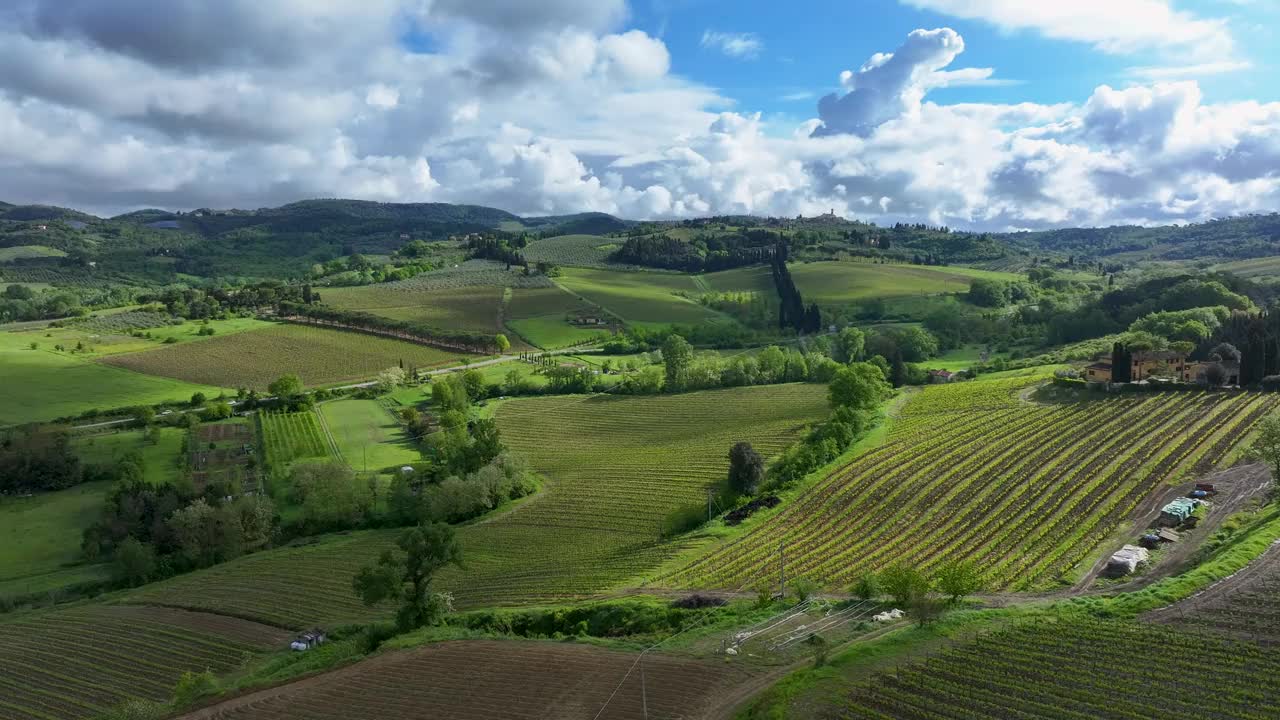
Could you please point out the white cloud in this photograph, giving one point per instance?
(744, 46)
(1115, 26)
(544, 116)
(1178, 72)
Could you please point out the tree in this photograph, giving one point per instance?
(1266, 446)
(1121, 363)
(502, 342)
(988, 293)
(474, 385)
(406, 575)
(860, 386)
(197, 399)
(391, 378)
(904, 584)
(330, 495)
(958, 579)
(849, 345)
(867, 587)
(746, 469)
(1215, 374)
(677, 354)
(134, 562)
(286, 387)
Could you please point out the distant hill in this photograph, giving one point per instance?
(1237, 238)
(29, 213)
(592, 223)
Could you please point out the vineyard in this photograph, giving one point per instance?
(462, 308)
(124, 322)
(1025, 490)
(1245, 606)
(1079, 670)
(77, 663)
(615, 468)
(472, 273)
(292, 436)
(643, 297)
(575, 251)
(253, 359)
(495, 679)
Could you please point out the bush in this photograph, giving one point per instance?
(194, 686)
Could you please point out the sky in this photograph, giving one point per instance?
(976, 114)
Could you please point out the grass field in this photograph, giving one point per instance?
(464, 308)
(1252, 268)
(162, 460)
(79, 662)
(43, 384)
(615, 468)
(292, 436)
(481, 679)
(551, 332)
(1076, 669)
(368, 438)
(1025, 490)
(40, 537)
(22, 252)
(841, 283)
(641, 297)
(320, 356)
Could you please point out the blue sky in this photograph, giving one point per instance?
(806, 43)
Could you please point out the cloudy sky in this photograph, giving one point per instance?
(986, 114)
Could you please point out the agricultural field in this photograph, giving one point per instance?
(575, 251)
(108, 333)
(162, 460)
(498, 679)
(540, 316)
(539, 302)
(641, 297)
(23, 252)
(1245, 606)
(290, 436)
(614, 467)
(471, 273)
(843, 283)
(969, 470)
(225, 452)
(367, 437)
(320, 356)
(79, 662)
(40, 538)
(43, 384)
(1078, 669)
(552, 332)
(462, 308)
(1262, 267)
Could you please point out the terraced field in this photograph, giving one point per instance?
(1079, 670)
(292, 436)
(970, 471)
(253, 359)
(76, 663)
(482, 679)
(615, 468)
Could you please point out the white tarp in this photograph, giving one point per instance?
(1127, 559)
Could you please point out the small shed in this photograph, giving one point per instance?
(941, 376)
(1177, 512)
(309, 639)
(1127, 559)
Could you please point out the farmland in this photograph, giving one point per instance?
(496, 679)
(162, 459)
(78, 662)
(614, 468)
(22, 252)
(292, 436)
(40, 538)
(1245, 606)
(969, 471)
(1253, 268)
(81, 384)
(320, 356)
(540, 315)
(646, 297)
(839, 283)
(368, 438)
(225, 452)
(1078, 669)
(574, 251)
(463, 308)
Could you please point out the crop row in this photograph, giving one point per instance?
(473, 273)
(292, 436)
(1027, 491)
(76, 663)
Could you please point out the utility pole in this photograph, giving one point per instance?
(709, 491)
(782, 570)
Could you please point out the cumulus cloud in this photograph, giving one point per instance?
(743, 46)
(550, 115)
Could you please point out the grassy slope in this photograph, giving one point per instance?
(367, 436)
(43, 384)
(40, 535)
(163, 460)
(466, 308)
(640, 297)
(319, 356)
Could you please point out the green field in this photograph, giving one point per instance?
(615, 468)
(551, 332)
(368, 438)
(537, 302)
(464, 308)
(1027, 491)
(22, 252)
(641, 297)
(573, 251)
(837, 283)
(43, 384)
(1253, 268)
(292, 436)
(162, 460)
(40, 538)
(320, 356)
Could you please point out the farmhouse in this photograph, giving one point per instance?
(941, 376)
(1163, 364)
(1098, 372)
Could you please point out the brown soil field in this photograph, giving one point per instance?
(482, 679)
(78, 662)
